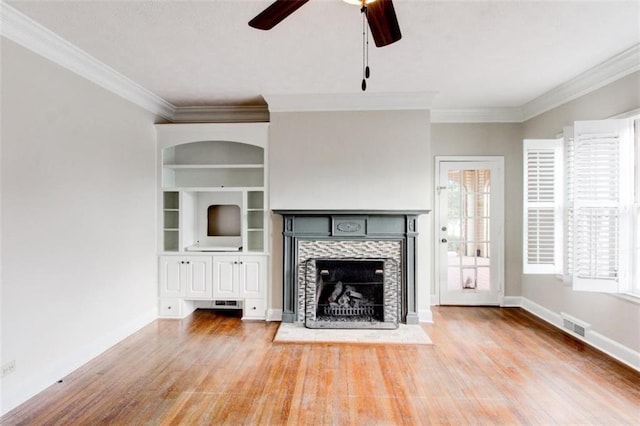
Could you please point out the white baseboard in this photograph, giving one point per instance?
(542, 312)
(612, 348)
(274, 314)
(38, 381)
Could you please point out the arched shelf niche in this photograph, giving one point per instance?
(208, 165)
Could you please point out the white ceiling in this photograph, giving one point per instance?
(475, 54)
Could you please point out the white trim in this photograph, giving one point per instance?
(633, 298)
(39, 380)
(633, 114)
(542, 312)
(477, 115)
(610, 347)
(226, 114)
(171, 134)
(349, 101)
(614, 349)
(494, 161)
(33, 36)
(614, 68)
(274, 314)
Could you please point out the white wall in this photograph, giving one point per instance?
(78, 221)
(369, 160)
(610, 316)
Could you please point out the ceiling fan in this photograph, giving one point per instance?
(380, 15)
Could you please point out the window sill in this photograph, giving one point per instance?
(633, 298)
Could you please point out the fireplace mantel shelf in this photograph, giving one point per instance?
(312, 212)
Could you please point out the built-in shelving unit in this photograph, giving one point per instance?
(213, 179)
(199, 174)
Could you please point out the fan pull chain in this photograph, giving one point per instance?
(365, 46)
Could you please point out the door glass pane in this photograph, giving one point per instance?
(468, 233)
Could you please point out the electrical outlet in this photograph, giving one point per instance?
(8, 368)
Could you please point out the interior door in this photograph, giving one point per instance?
(470, 231)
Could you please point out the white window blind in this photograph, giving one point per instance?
(542, 213)
(600, 170)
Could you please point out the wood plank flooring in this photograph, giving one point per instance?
(486, 366)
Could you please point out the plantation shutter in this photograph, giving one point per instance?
(569, 192)
(541, 206)
(602, 168)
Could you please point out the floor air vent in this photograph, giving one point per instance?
(226, 304)
(574, 325)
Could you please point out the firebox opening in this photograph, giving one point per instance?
(349, 291)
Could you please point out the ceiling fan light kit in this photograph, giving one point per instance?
(379, 14)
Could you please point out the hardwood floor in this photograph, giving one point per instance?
(486, 366)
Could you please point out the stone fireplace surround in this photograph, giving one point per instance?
(342, 234)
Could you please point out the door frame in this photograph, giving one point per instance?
(499, 253)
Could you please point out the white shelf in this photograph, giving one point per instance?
(171, 210)
(171, 229)
(213, 166)
(213, 188)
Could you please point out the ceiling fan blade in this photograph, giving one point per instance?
(275, 13)
(383, 22)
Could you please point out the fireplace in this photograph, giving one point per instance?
(351, 293)
(349, 269)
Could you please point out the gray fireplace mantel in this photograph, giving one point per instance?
(356, 225)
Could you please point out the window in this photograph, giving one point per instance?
(589, 218)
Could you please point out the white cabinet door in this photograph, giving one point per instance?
(188, 277)
(239, 277)
(198, 280)
(251, 276)
(225, 277)
(171, 281)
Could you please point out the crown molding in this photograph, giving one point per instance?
(477, 115)
(23, 30)
(614, 68)
(349, 101)
(222, 114)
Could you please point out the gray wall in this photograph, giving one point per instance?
(351, 160)
(354, 160)
(78, 221)
(492, 140)
(612, 316)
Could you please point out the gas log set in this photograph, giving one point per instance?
(349, 291)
